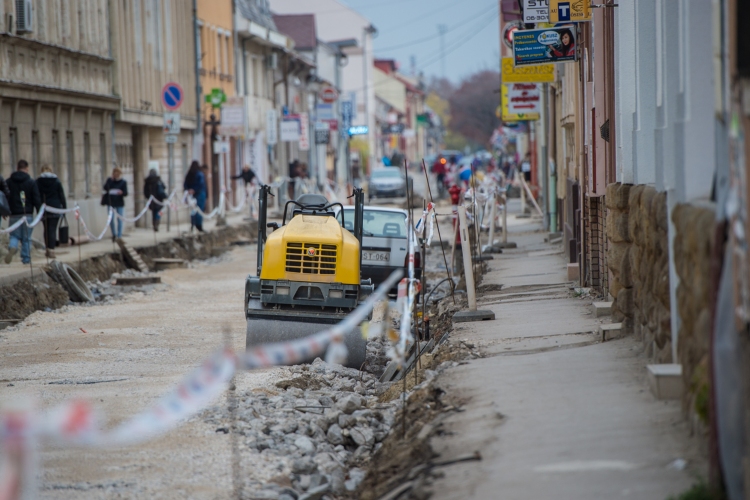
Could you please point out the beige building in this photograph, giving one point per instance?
(153, 43)
(56, 99)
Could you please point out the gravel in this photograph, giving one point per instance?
(318, 440)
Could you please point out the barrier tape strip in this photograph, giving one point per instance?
(75, 422)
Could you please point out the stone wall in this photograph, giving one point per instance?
(638, 258)
(693, 245)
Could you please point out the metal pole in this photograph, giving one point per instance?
(493, 210)
(505, 219)
(466, 250)
(453, 245)
(545, 159)
(449, 270)
(170, 165)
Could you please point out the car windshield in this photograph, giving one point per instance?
(385, 174)
(379, 224)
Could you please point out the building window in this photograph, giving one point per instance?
(55, 153)
(34, 152)
(70, 160)
(87, 162)
(217, 62)
(226, 54)
(103, 156)
(13, 148)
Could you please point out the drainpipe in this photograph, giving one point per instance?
(198, 89)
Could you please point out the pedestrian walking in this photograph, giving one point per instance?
(247, 175)
(53, 195)
(526, 167)
(24, 198)
(4, 205)
(195, 185)
(115, 191)
(153, 186)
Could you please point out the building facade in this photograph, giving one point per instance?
(57, 103)
(153, 44)
(216, 66)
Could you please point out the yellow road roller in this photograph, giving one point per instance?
(308, 274)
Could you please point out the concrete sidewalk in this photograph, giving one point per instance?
(554, 412)
(135, 236)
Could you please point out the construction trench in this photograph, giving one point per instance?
(308, 431)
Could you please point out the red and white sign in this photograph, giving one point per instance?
(304, 132)
(524, 98)
(329, 95)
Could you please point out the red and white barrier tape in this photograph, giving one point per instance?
(76, 423)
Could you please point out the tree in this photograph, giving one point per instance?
(472, 107)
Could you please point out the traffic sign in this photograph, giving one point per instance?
(172, 96)
(171, 123)
(170, 138)
(329, 94)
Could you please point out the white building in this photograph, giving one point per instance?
(336, 21)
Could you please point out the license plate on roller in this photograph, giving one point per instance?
(376, 256)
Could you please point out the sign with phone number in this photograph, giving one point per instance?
(535, 11)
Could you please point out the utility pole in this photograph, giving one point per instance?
(442, 29)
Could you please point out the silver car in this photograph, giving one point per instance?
(384, 243)
(387, 182)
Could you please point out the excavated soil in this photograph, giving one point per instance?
(22, 298)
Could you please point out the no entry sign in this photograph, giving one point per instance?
(329, 95)
(172, 96)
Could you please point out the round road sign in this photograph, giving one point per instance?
(172, 95)
(329, 95)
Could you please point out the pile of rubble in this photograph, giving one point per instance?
(313, 437)
(106, 291)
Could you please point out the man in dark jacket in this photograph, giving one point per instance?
(53, 195)
(24, 198)
(246, 175)
(153, 186)
(115, 191)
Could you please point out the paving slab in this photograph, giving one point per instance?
(554, 412)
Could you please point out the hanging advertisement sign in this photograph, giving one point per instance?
(544, 46)
(521, 101)
(322, 133)
(564, 11)
(289, 130)
(535, 11)
(304, 132)
(541, 73)
(233, 122)
(272, 126)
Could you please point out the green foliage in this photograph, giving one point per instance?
(454, 140)
(699, 491)
(699, 386)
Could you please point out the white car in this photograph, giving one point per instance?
(384, 243)
(388, 182)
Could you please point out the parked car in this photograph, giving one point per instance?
(386, 183)
(384, 245)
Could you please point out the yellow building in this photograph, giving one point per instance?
(216, 71)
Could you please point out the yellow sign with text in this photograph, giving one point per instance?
(507, 116)
(539, 73)
(563, 11)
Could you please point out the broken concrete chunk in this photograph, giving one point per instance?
(349, 403)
